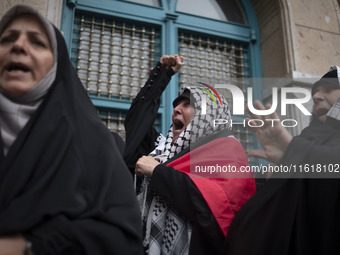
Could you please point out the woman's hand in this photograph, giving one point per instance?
(145, 166)
(12, 245)
(273, 137)
(175, 62)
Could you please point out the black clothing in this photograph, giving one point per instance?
(184, 195)
(140, 135)
(119, 141)
(331, 78)
(140, 140)
(176, 187)
(295, 215)
(179, 190)
(63, 183)
(184, 95)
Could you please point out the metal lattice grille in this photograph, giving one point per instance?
(114, 120)
(113, 58)
(245, 136)
(215, 61)
(212, 60)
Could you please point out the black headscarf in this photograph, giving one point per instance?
(331, 78)
(63, 182)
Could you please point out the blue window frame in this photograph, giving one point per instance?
(114, 44)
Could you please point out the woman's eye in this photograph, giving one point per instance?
(39, 43)
(6, 39)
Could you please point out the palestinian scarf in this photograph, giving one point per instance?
(16, 111)
(157, 216)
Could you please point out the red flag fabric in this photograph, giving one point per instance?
(220, 171)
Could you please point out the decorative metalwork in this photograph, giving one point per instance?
(215, 61)
(245, 136)
(114, 120)
(113, 58)
(212, 60)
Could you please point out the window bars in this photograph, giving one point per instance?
(212, 60)
(215, 61)
(114, 120)
(113, 58)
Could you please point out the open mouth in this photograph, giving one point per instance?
(178, 125)
(14, 67)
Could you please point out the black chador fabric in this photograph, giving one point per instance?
(1, 150)
(207, 237)
(63, 183)
(140, 138)
(291, 215)
(198, 211)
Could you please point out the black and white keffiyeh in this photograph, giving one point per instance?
(167, 232)
(334, 112)
(203, 121)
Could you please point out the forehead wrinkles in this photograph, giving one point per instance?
(29, 23)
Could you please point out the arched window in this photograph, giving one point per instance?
(114, 44)
(224, 10)
(155, 3)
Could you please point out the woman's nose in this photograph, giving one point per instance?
(177, 109)
(318, 96)
(19, 45)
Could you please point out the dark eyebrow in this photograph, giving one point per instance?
(39, 35)
(186, 101)
(29, 32)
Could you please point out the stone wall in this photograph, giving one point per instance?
(271, 34)
(299, 42)
(51, 9)
(300, 36)
(317, 34)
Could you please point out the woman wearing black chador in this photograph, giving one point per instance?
(296, 213)
(64, 188)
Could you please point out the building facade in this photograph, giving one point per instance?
(261, 44)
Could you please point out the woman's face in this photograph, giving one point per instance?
(324, 98)
(25, 55)
(181, 117)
